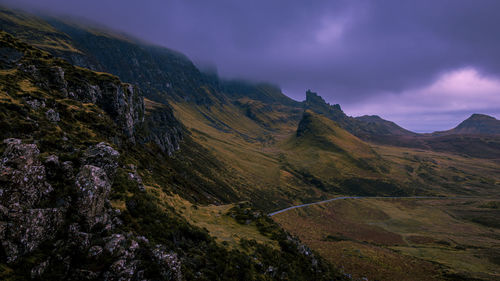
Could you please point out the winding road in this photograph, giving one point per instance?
(361, 197)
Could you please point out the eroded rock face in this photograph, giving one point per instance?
(27, 229)
(22, 176)
(22, 185)
(123, 102)
(86, 226)
(93, 182)
(164, 130)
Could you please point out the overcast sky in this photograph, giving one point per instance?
(424, 64)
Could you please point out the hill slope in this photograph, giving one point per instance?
(476, 124)
(79, 207)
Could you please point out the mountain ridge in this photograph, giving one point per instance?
(82, 47)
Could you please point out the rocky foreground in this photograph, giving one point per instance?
(28, 222)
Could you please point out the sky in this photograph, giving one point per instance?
(427, 65)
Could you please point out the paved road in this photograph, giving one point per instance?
(360, 197)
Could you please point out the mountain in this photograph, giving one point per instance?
(88, 172)
(337, 160)
(476, 124)
(157, 71)
(263, 92)
(386, 126)
(365, 127)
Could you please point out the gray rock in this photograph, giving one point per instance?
(22, 175)
(52, 160)
(28, 229)
(35, 103)
(78, 238)
(52, 115)
(92, 187)
(102, 155)
(95, 251)
(37, 271)
(134, 176)
(168, 262)
(164, 130)
(23, 227)
(115, 245)
(143, 239)
(122, 270)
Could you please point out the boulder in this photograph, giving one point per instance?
(52, 115)
(26, 230)
(22, 175)
(168, 262)
(102, 155)
(93, 187)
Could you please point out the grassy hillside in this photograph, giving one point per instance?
(330, 154)
(46, 103)
(405, 239)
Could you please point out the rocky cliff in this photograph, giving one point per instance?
(123, 102)
(30, 220)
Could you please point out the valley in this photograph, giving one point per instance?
(184, 166)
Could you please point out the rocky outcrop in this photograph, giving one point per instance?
(93, 187)
(23, 185)
(86, 226)
(52, 115)
(123, 102)
(22, 175)
(169, 263)
(103, 156)
(162, 128)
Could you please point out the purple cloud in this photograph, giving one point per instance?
(350, 52)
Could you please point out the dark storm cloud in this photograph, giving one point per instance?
(348, 51)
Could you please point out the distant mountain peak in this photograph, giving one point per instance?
(479, 116)
(476, 124)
